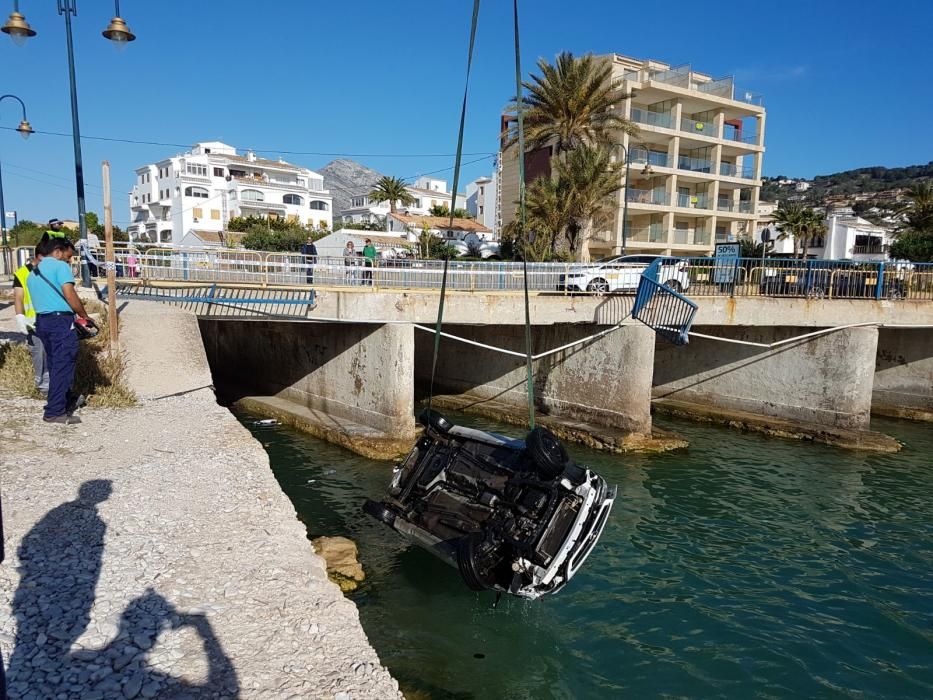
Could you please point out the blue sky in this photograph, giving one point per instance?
(846, 83)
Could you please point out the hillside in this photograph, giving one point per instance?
(346, 178)
(873, 179)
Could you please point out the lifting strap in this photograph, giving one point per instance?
(453, 201)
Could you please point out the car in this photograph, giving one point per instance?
(512, 516)
(622, 273)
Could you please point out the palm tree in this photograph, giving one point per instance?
(589, 180)
(789, 219)
(812, 225)
(571, 104)
(920, 215)
(392, 190)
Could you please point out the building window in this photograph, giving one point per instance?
(218, 172)
(215, 214)
(196, 192)
(197, 212)
(482, 190)
(292, 199)
(165, 236)
(480, 209)
(318, 205)
(252, 196)
(198, 169)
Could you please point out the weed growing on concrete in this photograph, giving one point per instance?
(16, 370)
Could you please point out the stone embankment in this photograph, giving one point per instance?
(151, 553)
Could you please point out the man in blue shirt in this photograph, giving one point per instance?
(52, 290)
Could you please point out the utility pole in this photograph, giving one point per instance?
(110, 264)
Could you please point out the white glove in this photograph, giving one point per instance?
(21, 324)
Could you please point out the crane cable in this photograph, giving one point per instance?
(453, 201)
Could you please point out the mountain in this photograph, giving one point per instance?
(346, 178)
(860, 180)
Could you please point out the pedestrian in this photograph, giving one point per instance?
(349, 261)
(309, 250)
(56, 229)
(51, 287)
(369, 259)
(26, 323)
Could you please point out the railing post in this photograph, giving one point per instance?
(879, 286)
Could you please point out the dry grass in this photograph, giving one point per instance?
(98, 375)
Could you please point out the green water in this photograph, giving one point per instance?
(742, 567)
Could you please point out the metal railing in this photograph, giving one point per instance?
(695, 276)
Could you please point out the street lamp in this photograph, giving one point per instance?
(119, 33)
(25, 130)
(647, 170)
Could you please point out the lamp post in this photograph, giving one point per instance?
(119, 33)
(646, 171)
(24, 130)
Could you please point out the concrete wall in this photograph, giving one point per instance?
(904, 373)
(823, 381)
(360, 372)
(607, 381)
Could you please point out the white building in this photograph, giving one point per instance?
(481, 202)
(189, 198)
(427, 192)
(466, 236)
(846, 238)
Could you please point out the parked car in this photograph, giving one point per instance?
(513, 516)
(622, 273)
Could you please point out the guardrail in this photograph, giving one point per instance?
(694, 276)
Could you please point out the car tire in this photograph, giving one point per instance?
(430, 418)
(674, 285)
(598, 285)
(547, 452)
(467, 563)
(379, 511)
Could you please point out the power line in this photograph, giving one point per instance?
(259, 150)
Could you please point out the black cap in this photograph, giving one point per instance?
(54, 221)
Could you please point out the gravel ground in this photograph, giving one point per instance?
(151, 553)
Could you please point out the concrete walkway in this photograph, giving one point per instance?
(151, 553)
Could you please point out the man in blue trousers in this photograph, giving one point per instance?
(52, 290)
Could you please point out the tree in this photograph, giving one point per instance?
(392, 190)
(587, 180)
(915, 241)
(812, 226)
(572, 103)
(789, 218)
(444, 210)
(26, 233)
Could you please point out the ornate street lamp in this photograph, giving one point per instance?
(119, 33)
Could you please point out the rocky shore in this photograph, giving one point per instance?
(151, 553)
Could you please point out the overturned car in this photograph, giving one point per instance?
(513, 516)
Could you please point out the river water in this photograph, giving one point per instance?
(742, 567)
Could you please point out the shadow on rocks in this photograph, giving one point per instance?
(59, 566)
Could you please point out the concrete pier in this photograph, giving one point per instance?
(903, 385)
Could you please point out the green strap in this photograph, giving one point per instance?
(521, 213)
(453, 200)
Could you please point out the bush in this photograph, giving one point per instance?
(914, 246)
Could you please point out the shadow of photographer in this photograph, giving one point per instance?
(59, 565)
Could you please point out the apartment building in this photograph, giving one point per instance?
(189, 198)
(481, 202)
(427, 192)
(695, 165)
(847, 237)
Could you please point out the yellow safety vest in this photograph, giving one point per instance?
(55, 234)
(22, 274)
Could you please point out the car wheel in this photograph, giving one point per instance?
(895, 294)
(815, 293)
(547, 452)
(379, 511)
(474, 563)
(599, 285)
(430, 418)
(674, 284)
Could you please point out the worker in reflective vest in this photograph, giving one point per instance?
(26, 324)
(56, 229)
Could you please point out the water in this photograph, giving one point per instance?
(743, 567)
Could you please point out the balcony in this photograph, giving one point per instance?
(653, 233)
(699, 128)
(875, 249)
(746, 207)
(658, 197)
(655, 158)
(696, 165)
(731, 133)
(644, 116)
(687, 236)
(732, 170)
(725, 205)
(700, 200)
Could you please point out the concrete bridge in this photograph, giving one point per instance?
(354, 374)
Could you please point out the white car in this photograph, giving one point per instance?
(622, 273)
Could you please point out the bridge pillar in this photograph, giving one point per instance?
(349, 383)
(606, 382)
(904, 374)
(816, 383)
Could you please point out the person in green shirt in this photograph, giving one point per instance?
(369, 255)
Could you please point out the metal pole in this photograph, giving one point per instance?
(625, 198)
(7, 267)
(111, 267)
(67, 8)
